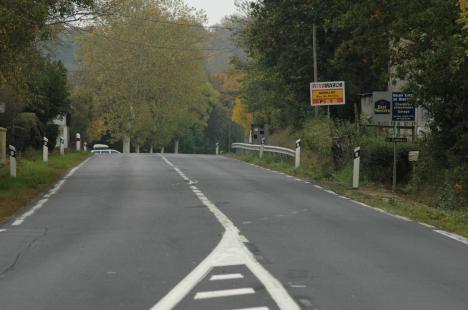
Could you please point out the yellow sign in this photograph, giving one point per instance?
(327, 93)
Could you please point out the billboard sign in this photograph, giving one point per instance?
(327, 93)
(402, 109)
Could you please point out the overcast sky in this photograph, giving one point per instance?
(215, 9)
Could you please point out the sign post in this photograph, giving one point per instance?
(394, 158)
(45, 150)
(356, 166)
(12, 151)
(261, 147)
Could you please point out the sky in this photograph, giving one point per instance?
(214, 9)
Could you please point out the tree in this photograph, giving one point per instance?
(144, 66)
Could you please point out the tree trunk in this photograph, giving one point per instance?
(126, 144)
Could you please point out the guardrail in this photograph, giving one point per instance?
(272, 149)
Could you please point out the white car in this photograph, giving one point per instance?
(106, 151)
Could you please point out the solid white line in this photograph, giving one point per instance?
(453, 236)
(230, 276)
(317, 186)
(426, 225)
(331, 192)
(255, 308)
(224, 293)
(53, 191)
(2, 230)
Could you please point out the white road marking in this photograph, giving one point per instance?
(224, 293)
(255, 308)
(231, 276)
(53, 191)
(453, 236)
(426, 225)
(331, 192)
(230, 251)
(317, 186)
(2, 230)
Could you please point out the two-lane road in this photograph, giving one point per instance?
(207, 232)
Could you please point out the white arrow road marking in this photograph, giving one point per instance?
(229, 252)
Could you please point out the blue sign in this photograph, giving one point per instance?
(402, 109)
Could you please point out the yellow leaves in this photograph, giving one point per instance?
(96, 129)
(240, 115)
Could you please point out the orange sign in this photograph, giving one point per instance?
(327, 93)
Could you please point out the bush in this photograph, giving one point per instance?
(377, 160)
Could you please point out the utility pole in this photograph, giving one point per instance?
(314, 47)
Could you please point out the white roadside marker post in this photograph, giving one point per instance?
(357, 162)
(45, 150)
(261, 147)
(85, 146)
(12, 154)
(78, 142)
(217, 148)
(62, 146)
(298, 154)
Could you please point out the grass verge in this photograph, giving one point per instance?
(455, 221)
(33, 177)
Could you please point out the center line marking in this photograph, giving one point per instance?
(230, 251)
(226, 277)
(224, 293)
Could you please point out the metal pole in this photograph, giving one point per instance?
(261, 148)
(394, 159)
(314, 47)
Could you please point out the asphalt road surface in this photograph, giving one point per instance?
(205, 232)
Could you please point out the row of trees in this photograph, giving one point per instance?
(142, 73)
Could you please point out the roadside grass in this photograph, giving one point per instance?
(455, 221)
(33, 177)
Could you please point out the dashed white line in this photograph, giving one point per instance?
(224, 293)
(230, 276)
(255, 308)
